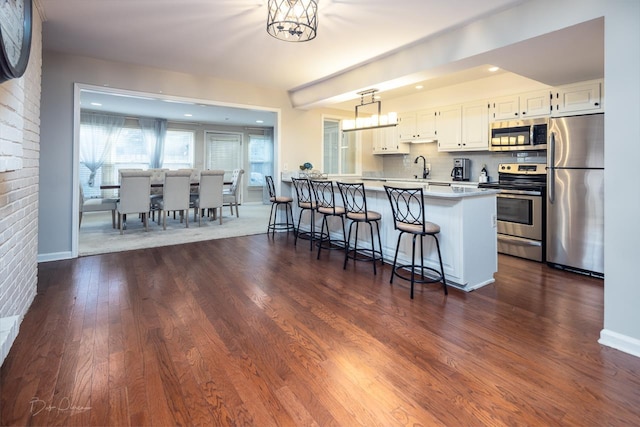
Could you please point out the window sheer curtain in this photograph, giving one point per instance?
(95, 145)
(154, 133)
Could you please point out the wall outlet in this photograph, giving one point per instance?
(429, 167)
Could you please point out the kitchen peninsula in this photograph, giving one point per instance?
(468, 236)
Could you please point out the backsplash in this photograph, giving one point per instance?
(403, 166)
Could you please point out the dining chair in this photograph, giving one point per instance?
(176, 195)
(354, 198)
(231, 196)
(407, 206)
(209, 197)
(97, 205)
(135, 191)
(157, 177)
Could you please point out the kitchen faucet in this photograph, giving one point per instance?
(425, 171)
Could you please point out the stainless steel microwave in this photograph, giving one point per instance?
(514, 135)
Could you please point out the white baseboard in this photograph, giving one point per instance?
(55, 256)
(620, 342)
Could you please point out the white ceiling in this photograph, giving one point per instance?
(227, 39)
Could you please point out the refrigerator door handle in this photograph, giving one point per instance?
(551, 172)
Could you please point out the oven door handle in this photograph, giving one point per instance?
(519, 241)
(513, 193)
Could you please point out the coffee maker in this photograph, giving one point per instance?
(461, 169)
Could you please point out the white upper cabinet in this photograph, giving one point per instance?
(577, 98)
(450, 128)
(426, 127)
(407, 126)
(464, 127)
(417, 125)
(386, 141)
(475, 126)
(522, 106)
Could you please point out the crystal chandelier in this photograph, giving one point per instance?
(293, 20)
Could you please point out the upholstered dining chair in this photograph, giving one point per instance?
(97, 205)
(176, 195)
(135, 190)
(231, 196)
(157, 177)
(209, 197)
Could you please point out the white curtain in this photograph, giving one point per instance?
(95, 145)
(154, 132)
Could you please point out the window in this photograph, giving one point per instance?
(178, 149)
(260, 158)
(340, 149)
(223, 151)
(129, 151)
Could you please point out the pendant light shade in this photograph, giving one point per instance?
(293, 20)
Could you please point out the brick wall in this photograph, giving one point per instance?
(19, 161)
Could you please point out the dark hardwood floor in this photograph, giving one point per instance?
(254, 331)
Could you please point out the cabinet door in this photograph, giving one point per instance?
(579, 97)
(505, 108)
(386, 141)
(475, 126)
(426, 124)
(406, 126)
(450, 128)
(535, 104)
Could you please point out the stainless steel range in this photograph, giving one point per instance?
(521, 211)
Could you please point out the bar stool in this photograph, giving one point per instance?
(326, 205)
(355, 204)
(276, 202)
(306, 202)
(407, 205)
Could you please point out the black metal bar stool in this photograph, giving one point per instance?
(306, 202)
(355, 204)
(326, 205)
(277, 202)
(407, 205)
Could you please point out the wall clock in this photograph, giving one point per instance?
(15, 38)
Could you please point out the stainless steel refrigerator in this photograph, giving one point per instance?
(575, 193)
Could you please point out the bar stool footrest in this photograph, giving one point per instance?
(281, 226)
(420, 276)
(364, 255)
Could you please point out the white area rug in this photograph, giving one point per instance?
(97, 237)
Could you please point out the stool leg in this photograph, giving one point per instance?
(373, 249)
(324, 223)
(289, 214)
(413, 263)
(272, 221)
(346, 247)
(444, 281)
(295, 241)
(395, 258)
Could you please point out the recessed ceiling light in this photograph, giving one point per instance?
(188, 115)
(259, 121)
(96, 104)
(494, 69)
(419, 87)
